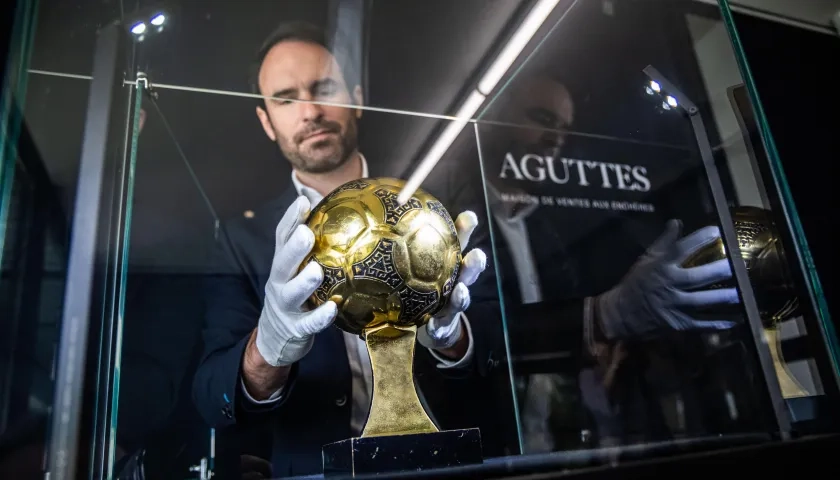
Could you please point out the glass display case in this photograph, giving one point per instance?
(633, 281)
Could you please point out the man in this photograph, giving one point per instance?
(264, 351)
(555, 262)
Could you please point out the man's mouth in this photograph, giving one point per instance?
(318, 135)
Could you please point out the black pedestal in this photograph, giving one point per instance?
(357, 456)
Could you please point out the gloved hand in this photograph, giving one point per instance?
(285, 331)
(651, 297)
(444, 329)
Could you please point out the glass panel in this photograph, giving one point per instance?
(573, 150)
(211, 187)
(66, 34)
(33, 253)
(757, 126)
(585, 163)
(44, 113)
(69, 181)
(407, 56)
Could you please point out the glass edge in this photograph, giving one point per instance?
(123, 280)
(12, 102)
(502, 310)
(802, 251)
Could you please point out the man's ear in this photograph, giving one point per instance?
(359, 100)
(266, 123)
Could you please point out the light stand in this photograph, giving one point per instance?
(676, 99)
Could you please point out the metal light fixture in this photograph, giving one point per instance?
(140, 28)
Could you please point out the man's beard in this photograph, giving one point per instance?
(314, 159)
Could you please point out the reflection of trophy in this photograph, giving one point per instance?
(389, 268)
(775, 294)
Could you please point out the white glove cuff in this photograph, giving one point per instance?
(280, 353)
(438, 334)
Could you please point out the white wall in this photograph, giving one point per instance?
(719, 70)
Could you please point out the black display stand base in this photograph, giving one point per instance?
(357, 456)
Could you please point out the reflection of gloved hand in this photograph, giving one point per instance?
(444, 329)
(285, 331)
(651, 297)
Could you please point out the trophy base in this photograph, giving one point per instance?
(365, 455)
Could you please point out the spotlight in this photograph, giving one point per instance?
(655, 90)
(149, 21)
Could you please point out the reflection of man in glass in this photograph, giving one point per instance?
(267, 358)
(550, 309)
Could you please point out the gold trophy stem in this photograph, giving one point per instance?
(395, 408)
(789, 386)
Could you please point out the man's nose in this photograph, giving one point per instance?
(554, 139)
(310, 111)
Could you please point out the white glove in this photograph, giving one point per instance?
(444, 329)
(286, 331)
(650, 298)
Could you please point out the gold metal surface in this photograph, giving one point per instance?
(395, 408)
(787, 383)
(758, 242)
(389, 268)
(384, 263)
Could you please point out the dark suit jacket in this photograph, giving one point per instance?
(547, 336)
(316, 408)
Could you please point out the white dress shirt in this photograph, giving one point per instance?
(357, 354)
(542, 387)
(513, 229)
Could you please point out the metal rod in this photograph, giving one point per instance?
(730, 242)
(367, 108)
(61, 463)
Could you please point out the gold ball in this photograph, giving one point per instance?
(384, 263)
(758, 243)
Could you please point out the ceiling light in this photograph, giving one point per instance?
(511, 51)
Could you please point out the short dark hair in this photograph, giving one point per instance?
(292, 31)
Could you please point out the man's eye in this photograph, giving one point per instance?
(326, 90)
(542, 117)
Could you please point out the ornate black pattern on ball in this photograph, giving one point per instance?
(379, 265)
(333, 276)
(415, 303)
(437, 207)
(450, 283)
(393, 210)
(352, 185)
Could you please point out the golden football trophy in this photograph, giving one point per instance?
(775, 295)
(388, 267)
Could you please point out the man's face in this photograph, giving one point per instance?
(545, 108)
(315, 138)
